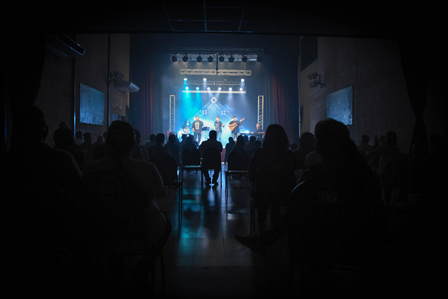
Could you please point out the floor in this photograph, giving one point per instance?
(203, 260)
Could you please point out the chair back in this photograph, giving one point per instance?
(274, 181)
(334, 225)
(238, 160)
(211, 158)
(191, 156)
(167, 166)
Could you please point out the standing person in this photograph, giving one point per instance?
(197, 129)
(234, 127)
(218, 128)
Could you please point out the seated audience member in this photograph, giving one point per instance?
(211, 142)
(275, 146)
(229, 148)
(383, 151)
(312, 158)
(151, 142)
(37, 185)
(87, 146)
(306, 146)
(139, 151)
(364, 147)
(240, 144)
(78, 138)
(142, 177)
(63, 140)
(189, 143)
(173, 146)
(99, 140)
(256, 146)
(159, 145)
(340, 163)
(251, 143)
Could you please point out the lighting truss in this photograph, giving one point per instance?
(172, 113)
(214, 91)
(223, 54)
(261, 111)
(214, 72)
(219, 83)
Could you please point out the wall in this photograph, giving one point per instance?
(373, 67)
(59, 91)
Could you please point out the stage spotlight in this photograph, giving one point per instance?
(258, 58)
(231, 59)
(230, 88)
(199, 59)
(208, 88)
(185, 58)
(221, 59)
(197, 88)
(210, 59)
(185, 79)
(242, 80)
(219, 88)
(187, 88)
(241, 88)
(173, 58)
(205, 79)
(244, 59)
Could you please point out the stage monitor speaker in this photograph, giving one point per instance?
(62, 45)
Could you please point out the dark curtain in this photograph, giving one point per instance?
(145, 105)
(415, 65)
(281, 100)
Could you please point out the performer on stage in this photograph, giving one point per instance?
(186, 127)
(218, 128)
(259, 132)
(197, 129)
(234, 127)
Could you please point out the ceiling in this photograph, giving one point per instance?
(230, 16)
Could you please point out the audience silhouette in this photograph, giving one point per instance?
(343, 168)
(174, 147)
(229, 148)
(275, 146)
(306, 146)
(212, 142)
(38, 194)
(134, 222)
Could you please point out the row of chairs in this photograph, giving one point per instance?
(173, 174)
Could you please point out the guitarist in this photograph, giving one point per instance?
(234, 127)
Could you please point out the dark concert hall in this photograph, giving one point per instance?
(223, 149)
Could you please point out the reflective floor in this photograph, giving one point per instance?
(203, 260)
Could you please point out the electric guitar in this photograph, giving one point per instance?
(232, 126)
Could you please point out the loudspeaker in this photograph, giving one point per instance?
(62, 45)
